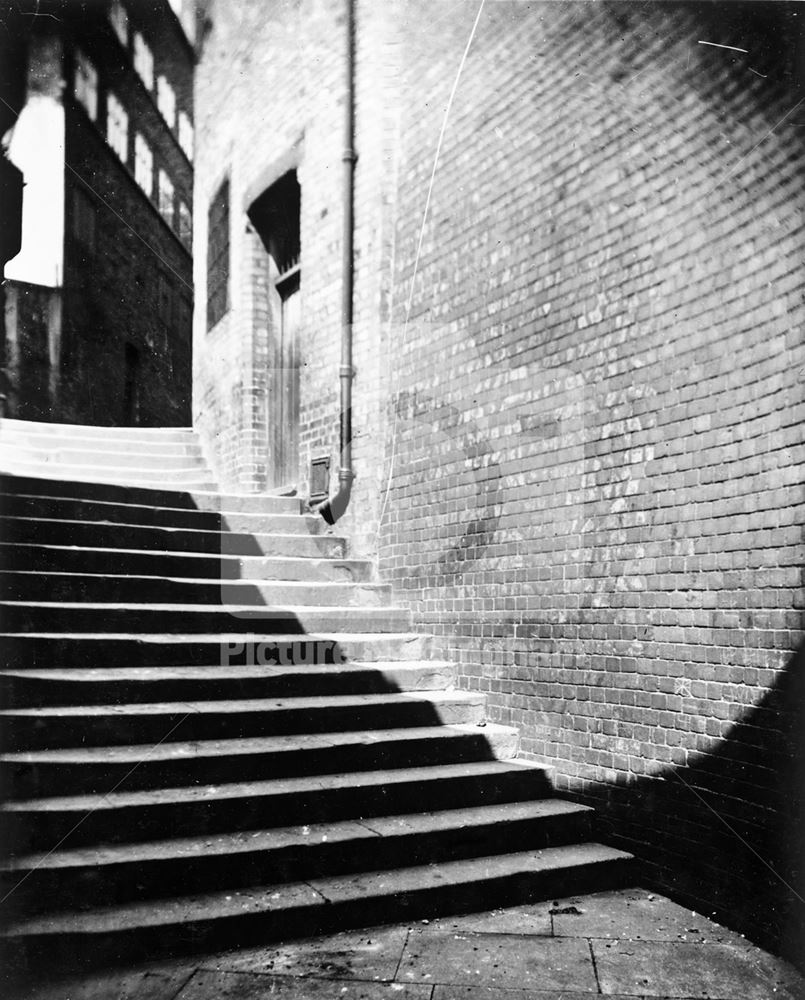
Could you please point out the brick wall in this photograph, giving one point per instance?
(589, 418)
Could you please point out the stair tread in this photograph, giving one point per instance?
(234, 672)
(184, 749)
(93, 802)
(252, 581)
(210, 906)
(216, 638)
(44, 522)
(192, 554)
(240, 705)
(308, 834)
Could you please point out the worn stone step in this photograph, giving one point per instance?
(37, 586)
(41, 824)
(40, 429)
(98, 725)
(70, 509)
(252, 646)
(75, 770)
(102, 447)
(36, 616)
(188, 923)
(118, 685)
(103, 875)
(154, 496)
(54, 531)
(198, 565)
(186, 475)
(43, 528)
(134, 456)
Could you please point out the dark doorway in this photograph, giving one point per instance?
(275, 216)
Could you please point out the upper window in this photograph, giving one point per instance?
(186, 134)
(117, 127)
(166, 197)
(185, 225)
(218, 256)
(85, 86)
(84, 218)
(143, 165)
(119, 20)
(166, 101)
(143, 61)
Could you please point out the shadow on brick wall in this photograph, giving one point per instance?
(726, 834)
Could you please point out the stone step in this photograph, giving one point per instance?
(134, 456)
(255, 915)
(44, 429)
(42, 824)
(54, 531)
(86, 616)
(117, 588)
(94, 649)
(67, 509)
(87, 769)
(197, 565)
(185, 476)
(207, 500)
(119, 685)
(102, 447)
(114, 874)
(142, 722)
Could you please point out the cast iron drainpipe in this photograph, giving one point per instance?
(334, 507)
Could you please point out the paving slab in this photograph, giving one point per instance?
(635, 914)
(491, 993)
(533, 919)
(208, 985)
(365, 955)
(500, 960)
(695, 971)
(139, 985)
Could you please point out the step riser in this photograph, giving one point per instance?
(187, 477)
(114, 536)
(53, 449)
(99, 885)
(66, 560)
(50, 732)
(30, 692)
(61, 457)
(260, 811)
(32, 618)
(81, 950)
(161, 517)
(146, 496)
(37, 429)
(149, 651)
(137, 590)
(33, 781)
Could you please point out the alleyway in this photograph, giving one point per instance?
(627, 944)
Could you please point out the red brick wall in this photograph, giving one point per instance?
(590, 417)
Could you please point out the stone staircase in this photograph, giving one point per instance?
(218, 729)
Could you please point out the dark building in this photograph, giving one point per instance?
(99, 299)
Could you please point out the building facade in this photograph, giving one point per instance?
(578, 347)
(100, 297)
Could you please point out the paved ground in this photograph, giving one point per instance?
(621, 945)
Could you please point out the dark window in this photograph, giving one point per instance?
(84, 218)
(218, 256)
